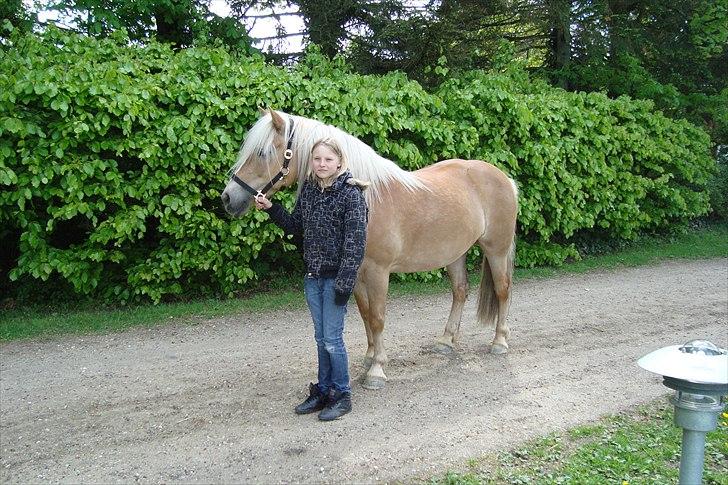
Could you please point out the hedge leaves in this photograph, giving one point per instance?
(113, 156)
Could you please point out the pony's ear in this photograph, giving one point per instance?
(262, 111)
(278, 123)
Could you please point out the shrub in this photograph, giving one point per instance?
(718, 185)
(112, 158)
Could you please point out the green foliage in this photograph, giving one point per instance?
(638, 448)
(174, 19)
(182, 23)
(583, 162)
(112, 158)
(625, 75)
(708, 27)
(14, 15)
(718, 186)
(675, 56)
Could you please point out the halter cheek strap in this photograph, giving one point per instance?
(287, 155)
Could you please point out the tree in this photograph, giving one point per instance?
(178, 22)
(333, 26)
(673, 53)
(15, 13)
(560, 15)
(462, 34)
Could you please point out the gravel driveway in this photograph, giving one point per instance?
(212, 402)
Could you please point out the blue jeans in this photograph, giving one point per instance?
(328, 325)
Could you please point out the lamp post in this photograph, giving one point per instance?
(698, 373)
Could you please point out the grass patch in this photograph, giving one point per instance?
(704, 243)
(35, 322)
(60, 318)
(641, 447)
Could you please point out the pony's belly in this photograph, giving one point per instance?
(423, 260)
(415, 267)
(423, 246)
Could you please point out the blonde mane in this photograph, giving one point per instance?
(364, 163)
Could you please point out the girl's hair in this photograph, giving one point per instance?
(334, 146)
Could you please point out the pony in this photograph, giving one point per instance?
(418, 221)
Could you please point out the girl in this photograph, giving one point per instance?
(331, 215)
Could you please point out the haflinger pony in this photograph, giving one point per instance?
(418, 221)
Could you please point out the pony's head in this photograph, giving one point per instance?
(259, 162)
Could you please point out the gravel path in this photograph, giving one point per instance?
(213, 402)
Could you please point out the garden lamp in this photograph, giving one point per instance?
(698, 373)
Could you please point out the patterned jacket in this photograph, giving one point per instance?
(333, 225)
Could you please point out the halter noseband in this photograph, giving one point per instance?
(287, 155)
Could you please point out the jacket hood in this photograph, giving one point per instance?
(348, 179)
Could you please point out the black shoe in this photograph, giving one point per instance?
(315, 401)
(339, 404)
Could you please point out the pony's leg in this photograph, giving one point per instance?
(458, 274)
(377, 284)
(362, 302)
(502, 282)
(500, 269)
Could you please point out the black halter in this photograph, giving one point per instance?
(287, 155)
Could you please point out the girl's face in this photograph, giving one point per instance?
(325, 162)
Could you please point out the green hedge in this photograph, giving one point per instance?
(112, 158)
(584, 161)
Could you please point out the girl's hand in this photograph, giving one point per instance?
(261, 202)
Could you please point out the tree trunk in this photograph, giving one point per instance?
(560, 35)
(173, 26)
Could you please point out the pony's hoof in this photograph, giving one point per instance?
(373, 383)
(498, 349)
(440, 348)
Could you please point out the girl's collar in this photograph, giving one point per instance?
(334, 183)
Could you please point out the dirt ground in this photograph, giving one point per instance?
(212, 402)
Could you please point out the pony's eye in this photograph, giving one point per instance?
(261, 154)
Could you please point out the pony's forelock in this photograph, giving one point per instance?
(258, 141)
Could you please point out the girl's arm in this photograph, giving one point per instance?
(355, 238)
(290, 223)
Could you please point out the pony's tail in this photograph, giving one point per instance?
(488, 307)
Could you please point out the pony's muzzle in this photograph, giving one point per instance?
(233, 203)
